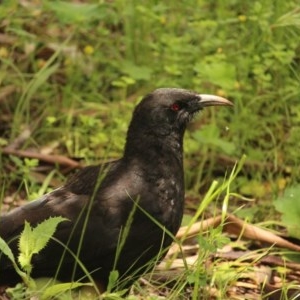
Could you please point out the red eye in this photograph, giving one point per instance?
(175, 106)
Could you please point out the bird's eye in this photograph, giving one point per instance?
(175, 107)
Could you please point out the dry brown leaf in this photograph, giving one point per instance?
(241, 228)
(238, 227)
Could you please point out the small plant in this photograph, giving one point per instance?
(32, 241)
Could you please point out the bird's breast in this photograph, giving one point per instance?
(170, 198)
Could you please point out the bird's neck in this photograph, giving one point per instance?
(156, 149)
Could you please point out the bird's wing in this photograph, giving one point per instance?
(79, 199)
(67, 201)
(59, 202)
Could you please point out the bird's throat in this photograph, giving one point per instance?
(155, 147)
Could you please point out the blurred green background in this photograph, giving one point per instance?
(72, 71)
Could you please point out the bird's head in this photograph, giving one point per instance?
(168, 110)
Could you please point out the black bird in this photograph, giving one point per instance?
(146, 183)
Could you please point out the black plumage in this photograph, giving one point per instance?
(147, 181)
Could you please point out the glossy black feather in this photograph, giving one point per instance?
(150, 173)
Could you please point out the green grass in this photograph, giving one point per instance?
(72, 74)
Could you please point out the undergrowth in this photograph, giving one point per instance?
(71, 73)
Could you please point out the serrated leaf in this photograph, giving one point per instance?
(44, 231)
(33, 240)
(26, 243)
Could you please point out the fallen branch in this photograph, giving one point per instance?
(53, 159)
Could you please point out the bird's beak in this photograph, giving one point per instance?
(212, 100)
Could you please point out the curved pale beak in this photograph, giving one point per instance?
(212, 100)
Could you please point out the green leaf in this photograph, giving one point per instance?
(254, 188)
(4, 248)
(112, 280)
(136, 72)
(123, 81)
(219, 73)
(186, 219)
(44, 231)
(210, 135)
(59, 288)
(18, 292)
(26, 243)
(33, 240)
(71, 12)
(289, 206)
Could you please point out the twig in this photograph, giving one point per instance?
(53, 159)
(250, 256)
